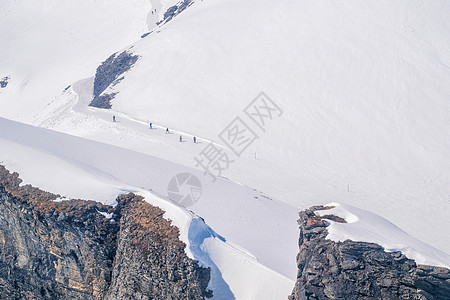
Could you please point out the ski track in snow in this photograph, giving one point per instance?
(83, 89)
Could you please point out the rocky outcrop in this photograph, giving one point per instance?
(175, 10)
(171, 275)
(69, 250)
(4, 82)
(358, 270)
(108, 73)
(170, 13)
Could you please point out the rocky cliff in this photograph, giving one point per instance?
(69, 250)
(358, 270)
(150, 262)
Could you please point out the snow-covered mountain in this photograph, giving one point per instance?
(361, 117)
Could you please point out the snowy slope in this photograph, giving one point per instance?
(47, 45)
(79, 168)
(363, 86)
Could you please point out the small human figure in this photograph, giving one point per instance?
(195, 140)
(114, 118)
(151, 125)
(167, 130)
(181, 138)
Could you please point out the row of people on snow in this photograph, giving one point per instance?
(167, 131)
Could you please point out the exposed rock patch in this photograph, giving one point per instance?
(175, 10)
(146, 34)
(4, 82)
(359, 270)
(68, 250)
(108, 73)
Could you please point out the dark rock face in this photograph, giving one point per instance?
(52, 250)
(140, 271)
(175, 10)
(108, 73)
(68, 250)
(146, 34)
(4, 82)
(359, 270)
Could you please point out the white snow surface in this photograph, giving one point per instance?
(364, 89)
(48, 45)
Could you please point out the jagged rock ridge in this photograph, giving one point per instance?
(68, 250)
(358, 270)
